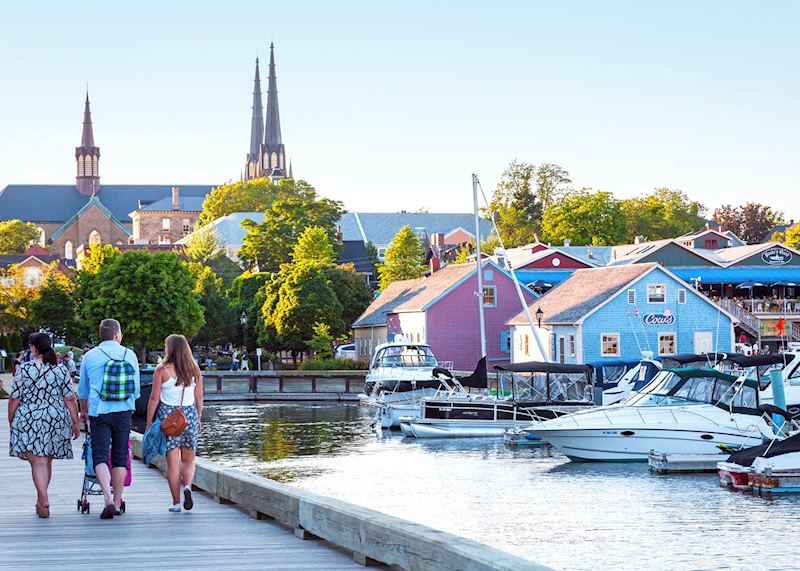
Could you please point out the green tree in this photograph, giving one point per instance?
(352, 291)
(313, 246)
(203, 246)
(751, 222)
(246, 294)
(152, 295)
(221, 319)
(404, 258)
(585, 218)
(790, 237)
(664, 213)
(16, 236)
(54, 309)
(270, 243)
(17, 295)
(322, 342)
(96, 256)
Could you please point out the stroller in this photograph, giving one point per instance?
(90, 485)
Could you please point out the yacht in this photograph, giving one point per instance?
(537, 391)
(761, 367)
(632, 380)
(681, 411)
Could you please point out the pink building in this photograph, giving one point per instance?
(441, 310)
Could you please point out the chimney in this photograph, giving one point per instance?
(438, 239)
(176, 203)
(436, 264)
(567, 242)
(638, 240)
(339, 233)
(499, 253)
(591, 254)
(708, 226)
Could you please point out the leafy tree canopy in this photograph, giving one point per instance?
(16, 236)
(152, 295)
(585, 218)
(404, 258)
(313, 246)
(96, 256)
(664, 213)
(54, 310)
(751, 222)
(203, 246)
(221, 318)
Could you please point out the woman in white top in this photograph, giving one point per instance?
(177, 382)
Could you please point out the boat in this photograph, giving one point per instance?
(681, 411)
(633, 379)
(539, 391)
(761, 367)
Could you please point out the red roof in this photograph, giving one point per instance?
(36, 250)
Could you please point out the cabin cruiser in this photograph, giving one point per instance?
(632, 380)
(761, 367)
(538, 391)
(681, 411)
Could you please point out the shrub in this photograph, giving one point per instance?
(331, 365)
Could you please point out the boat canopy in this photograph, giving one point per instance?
(542, 367)
(404, 355)
(539, 384)
(682, 359)
(746, 361)
(746, 456)
(478, 379)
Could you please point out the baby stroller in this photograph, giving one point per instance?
(90, 485)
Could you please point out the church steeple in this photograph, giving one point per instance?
(256, 130)
(87, 157)
(273, 154)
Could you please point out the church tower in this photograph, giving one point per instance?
(87, 156)
(253, 167)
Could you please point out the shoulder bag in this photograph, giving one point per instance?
(176, 422)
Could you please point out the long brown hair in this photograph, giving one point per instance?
(179, 355)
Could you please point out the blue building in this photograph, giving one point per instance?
(619, 312)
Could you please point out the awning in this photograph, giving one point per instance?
(737, 275)
(550, 276)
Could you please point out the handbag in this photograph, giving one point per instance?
(175, 422)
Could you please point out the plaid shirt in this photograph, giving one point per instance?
(92, 373)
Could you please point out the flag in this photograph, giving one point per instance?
(780, 326)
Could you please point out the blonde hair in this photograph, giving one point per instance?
(179, 355)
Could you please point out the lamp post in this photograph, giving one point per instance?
(539, 315)
(243, 321)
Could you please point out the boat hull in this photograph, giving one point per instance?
(421, 428)
(734, 476)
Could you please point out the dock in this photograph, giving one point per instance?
(239, 521)
(662, 463)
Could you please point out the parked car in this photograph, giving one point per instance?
(346, 351)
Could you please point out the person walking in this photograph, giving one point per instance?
(43, 415)
(245, 361)
(235, 360)
(69, 363)
(178, 384)
(108, 389)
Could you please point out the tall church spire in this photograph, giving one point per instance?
(257, 123)
(87, 157)
(273, 130)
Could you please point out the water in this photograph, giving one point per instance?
(530, 501)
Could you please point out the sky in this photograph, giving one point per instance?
(391, 106)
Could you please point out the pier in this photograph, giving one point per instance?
(226, 386)
(239, 521)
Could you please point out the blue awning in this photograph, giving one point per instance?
(734, 276)
(550, 276)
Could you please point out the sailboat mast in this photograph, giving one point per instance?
(478, 262)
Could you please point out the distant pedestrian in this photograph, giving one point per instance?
(245, 361)
(108, 389)
(178, 384)
(69, 363)
(235, 360)
(43, 415)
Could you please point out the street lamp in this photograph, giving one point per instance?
(243, 321)
(539, 315)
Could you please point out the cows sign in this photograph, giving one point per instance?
(665, 318)
(776, 256)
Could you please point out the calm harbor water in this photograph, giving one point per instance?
(530, 501)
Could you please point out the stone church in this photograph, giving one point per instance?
(74, 216)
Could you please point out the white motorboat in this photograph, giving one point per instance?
(760, 368)
(632, 380)
(681, 411)
(538, 391)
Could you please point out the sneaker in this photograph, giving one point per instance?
(188, 503)
(108, 512)
(175, 508)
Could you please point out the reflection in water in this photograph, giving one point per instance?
(530, 501)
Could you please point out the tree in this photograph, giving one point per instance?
(54, 310)
(16, 236)
(751, 222)
(352, 291)
(221, 319)
(322, 342)
(254, 195)
(152, 296)
(664, 213)
(523, 193)
(269, 244)
(96, 256)
(585, 218)
(203, 246)
(790, 237)
(314, 247)
(17, 295)
(404, 258)
(246, 294)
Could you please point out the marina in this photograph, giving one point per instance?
(530, 501)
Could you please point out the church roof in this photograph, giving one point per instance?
(93, 201)
(43, 203)
(187, 203)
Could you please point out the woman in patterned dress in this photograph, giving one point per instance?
(178, 383)
(43, 415)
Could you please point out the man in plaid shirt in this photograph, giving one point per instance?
(109, 420)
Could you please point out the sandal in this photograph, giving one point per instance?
(108, 512)
(43, 511)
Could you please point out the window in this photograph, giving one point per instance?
(80, 165)
(94, 238)
(165, 224)
(163, 240)
(561, 349)
(666, 343)
(609, 345)
(681, 296)
(381, 253)
(186, 226)
(571, 344)
(656, 293)
(526, 344)
(489, 296)
(42, 237)
(68, 250)
(505, 342)
(94, 166)
(631, 297)
(274, 160)
(710, 244)
(488, 275)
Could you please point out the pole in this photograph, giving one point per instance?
(478, 262)
(778, 396)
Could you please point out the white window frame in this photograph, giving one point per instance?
(650, 301)
(619, 348)
(165, 224)
(571, 344)
(631, 297)
(494, 296)
(674, 339)
(682, 296)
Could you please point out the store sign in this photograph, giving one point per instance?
(658, 318)
(768, 328)
(776, 256)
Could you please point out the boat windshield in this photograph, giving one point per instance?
(669, 388)
(405, 356)
(761, 373)
(549, 387)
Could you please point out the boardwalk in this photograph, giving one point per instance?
(211, 536)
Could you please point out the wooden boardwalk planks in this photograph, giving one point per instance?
(211, 536)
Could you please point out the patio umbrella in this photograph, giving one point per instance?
(785, 284)
(750, 285)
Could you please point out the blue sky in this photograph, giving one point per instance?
(388, 106)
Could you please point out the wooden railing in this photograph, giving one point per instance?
(747, 320)
(283, 385)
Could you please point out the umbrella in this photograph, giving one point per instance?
(785, 284)
(539, 284)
